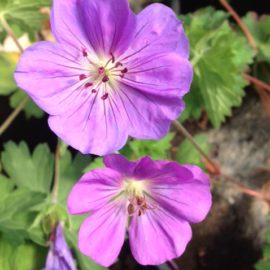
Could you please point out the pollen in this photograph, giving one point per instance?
(135, 188)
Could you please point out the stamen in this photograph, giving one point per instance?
(113, 58)
(125, 70)
(84, 51)
(105, 96)
(89, 84)
(118, 64)
(82, 77)
(94, 91)
(105, 79)
(131, 209)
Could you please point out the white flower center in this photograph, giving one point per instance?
(135, 188)
(136, 192)
(101, 76)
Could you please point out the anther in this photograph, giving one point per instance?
(118, 64)
(105, 79)
(87, 85)
(94, 91)
(125, 70)
(105, 96)
(85, 54)
(113, 58)
(82, 77)
(131, 209)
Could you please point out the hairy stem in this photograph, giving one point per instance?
(10, 32)
(21, 106)
(13, 116)
(238, 20)
(56, 174)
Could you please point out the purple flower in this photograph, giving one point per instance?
(111, 74)
(156, 200)
(59, 256)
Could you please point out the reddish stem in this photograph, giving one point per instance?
(237, 18)
(247, 190)
(215, 170)
(257, 82)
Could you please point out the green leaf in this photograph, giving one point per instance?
(28, 256)
(30, 110)
(263, 265)
(6, 251)
(23, 257)
(6, 186)
(260, 30)
(49, 216)
(220, 56)
(32, 171)
(96, 163)
(16, 213)
(156, 149)
(187, 154)
(8, 63)
(24, 13)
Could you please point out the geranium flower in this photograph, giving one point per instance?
(156, 200)
(59, 256)
(110, 75)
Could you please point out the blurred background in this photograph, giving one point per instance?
(227, 112)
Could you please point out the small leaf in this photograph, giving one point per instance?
(6, 251)
(6, 186)
(24, 13)
(8, 63)
(34, 172)
(28, 256)
(23, 257)
(156, 149)
(16, 213)
(260, 30)
(30, 110)
(96, 163)
(219, 56)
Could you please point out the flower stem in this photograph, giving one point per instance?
(250, 39)
(183, 130)
(10, 32)
(246, 190)
(240, 23)
(257, 82)
(241, 187)
(56, 174)
(20, 107)
(13, 116)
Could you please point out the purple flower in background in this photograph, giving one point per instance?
(156, 200)
(111, 74)
(59, 256)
